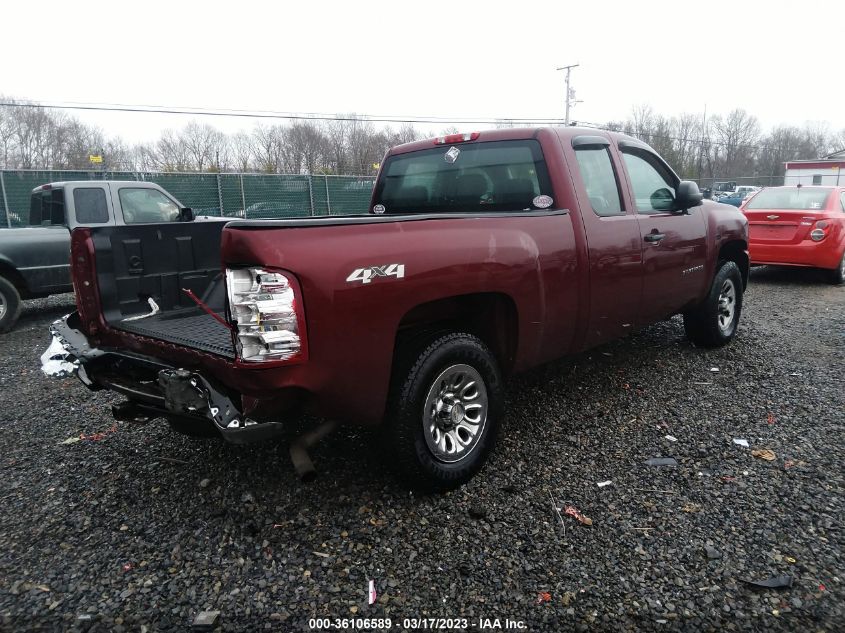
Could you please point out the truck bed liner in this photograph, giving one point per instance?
(198, 331)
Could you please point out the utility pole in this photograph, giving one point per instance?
(701, 142)
(570, 93)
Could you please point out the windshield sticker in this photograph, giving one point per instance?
(542, 202)
(379, 209)
(815, 205)
(452, 155)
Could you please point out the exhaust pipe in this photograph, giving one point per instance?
(302, 463)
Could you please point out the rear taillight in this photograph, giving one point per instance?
(820, 232)
(451, 139)
(268, 316)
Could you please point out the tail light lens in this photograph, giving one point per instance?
(266, 308)
(820, 232)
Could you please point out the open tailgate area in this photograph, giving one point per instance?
(136, 263)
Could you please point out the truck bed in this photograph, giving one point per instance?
(197, 330)
(159, 261)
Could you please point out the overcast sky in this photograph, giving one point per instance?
(431, 58)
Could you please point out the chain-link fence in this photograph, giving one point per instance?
(230, 195)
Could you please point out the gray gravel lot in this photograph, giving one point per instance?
(107, 535)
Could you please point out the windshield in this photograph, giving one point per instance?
(795, 198)
(481, 177)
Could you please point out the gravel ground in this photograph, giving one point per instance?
(142, 528)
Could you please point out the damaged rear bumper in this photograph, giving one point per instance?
(151, 384)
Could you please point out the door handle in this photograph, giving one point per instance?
(654, 237)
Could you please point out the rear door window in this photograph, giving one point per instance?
(465, 178)
(90, 204)
(599, 180)
(142, 205)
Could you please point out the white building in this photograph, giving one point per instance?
(829, 170)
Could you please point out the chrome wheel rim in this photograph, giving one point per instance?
(455, 413)
(727, 305)
(2, 305)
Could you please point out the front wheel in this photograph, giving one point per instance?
(443, 412)
(10, 304)
(837, 275)
(714, 321)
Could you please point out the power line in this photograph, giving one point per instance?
(275, 115)
(280, 113)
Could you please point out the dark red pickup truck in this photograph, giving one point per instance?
(484, 254)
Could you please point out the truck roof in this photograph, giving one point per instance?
(82, 183)
(517, 133)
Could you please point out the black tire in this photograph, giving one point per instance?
(193, 428)
(10, 304)
(837, 275)
(406, 438)
(702, 323)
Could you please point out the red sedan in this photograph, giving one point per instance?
(798, 226)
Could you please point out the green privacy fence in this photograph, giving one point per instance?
(230, 195)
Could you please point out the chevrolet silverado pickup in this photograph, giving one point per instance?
(482, 255)
(35, 260)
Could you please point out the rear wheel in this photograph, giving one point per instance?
(443, 413)
(714, 321)
(10, 304)
(837, 275)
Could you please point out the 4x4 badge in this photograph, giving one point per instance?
(366, 275)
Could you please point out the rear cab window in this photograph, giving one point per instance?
(494, 176)
(141, 205)
(47, 207)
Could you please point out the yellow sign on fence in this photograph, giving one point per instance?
(95, 158)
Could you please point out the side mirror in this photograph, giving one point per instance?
(186, 215)
(688, 195)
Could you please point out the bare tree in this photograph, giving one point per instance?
(267, 143)
(241, 151)
(737, 134)
(838, 141)
(203, 146)
(337, 145)
(305, 147)
(169, 154)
